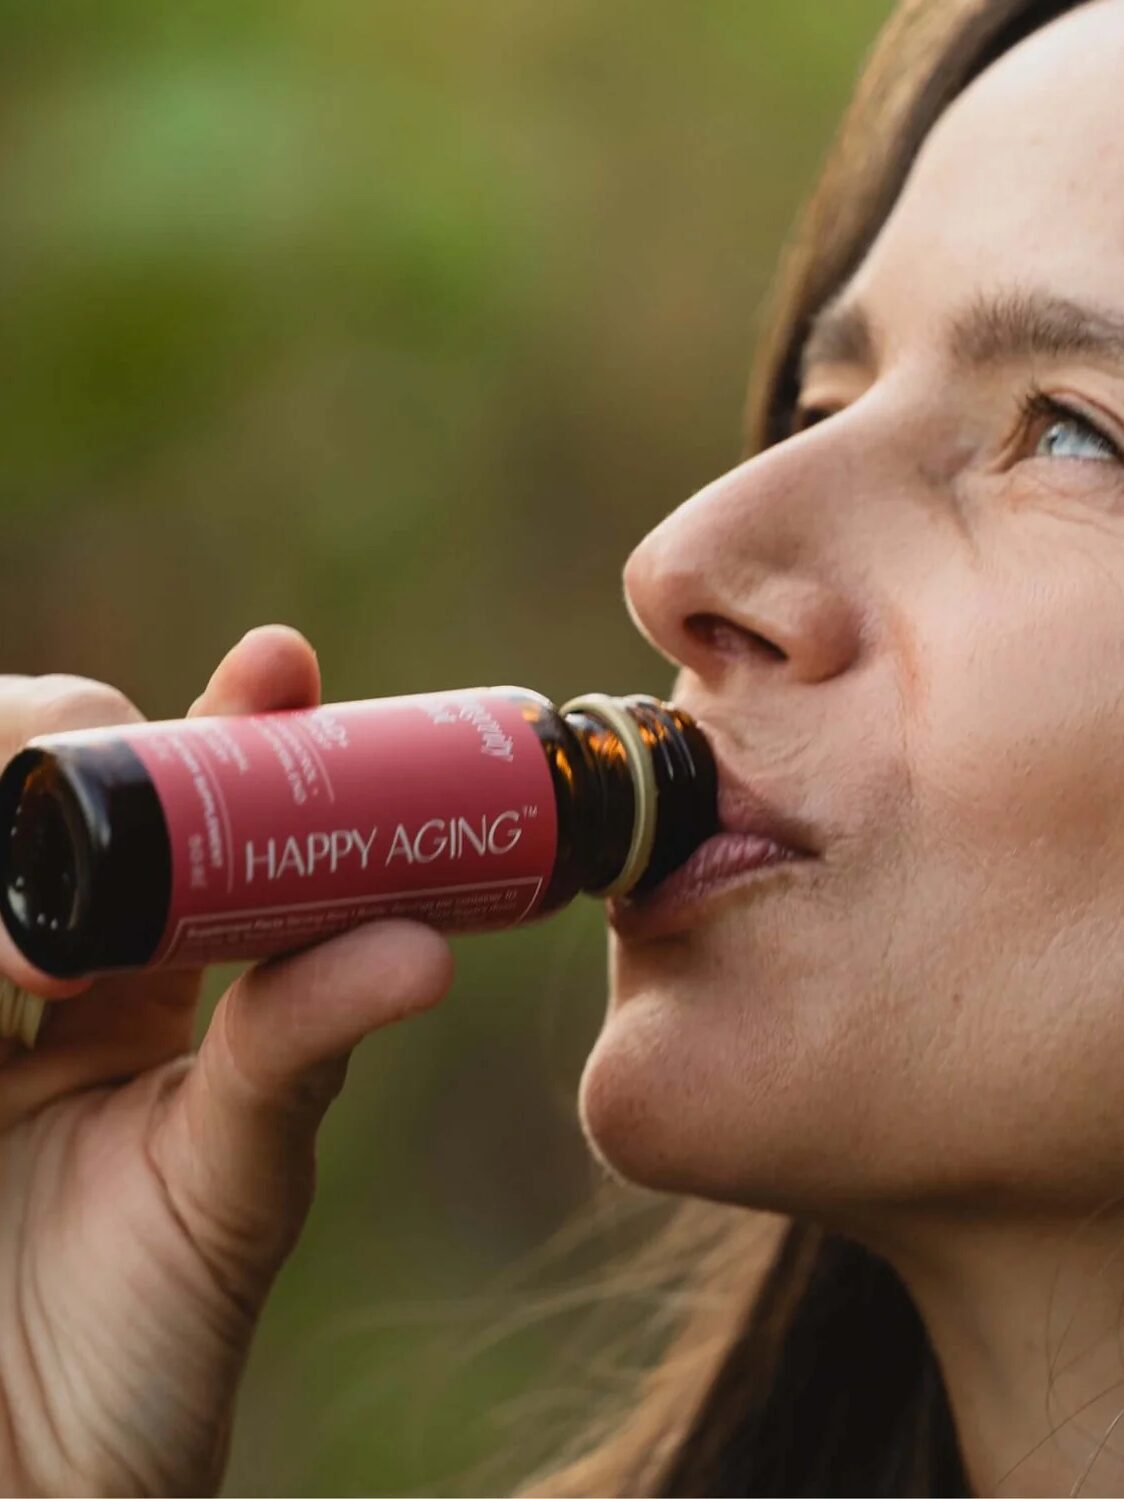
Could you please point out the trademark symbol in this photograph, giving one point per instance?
(529, 811)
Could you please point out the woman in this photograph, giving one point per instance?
(902, 623)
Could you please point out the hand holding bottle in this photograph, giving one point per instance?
(148, 1196)
(185, 842)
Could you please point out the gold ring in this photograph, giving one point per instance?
(639, 760)
(20, 1012)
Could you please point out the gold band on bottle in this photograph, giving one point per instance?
(639, 758)
(20, 1012)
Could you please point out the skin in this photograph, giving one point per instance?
(143, 1221)
(904, 624)
(918, 1037)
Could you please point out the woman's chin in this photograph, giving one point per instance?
(646, 1100)
(667, 1103)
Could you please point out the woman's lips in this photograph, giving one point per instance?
(753, 836)
(721, 862)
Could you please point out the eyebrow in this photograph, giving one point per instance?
(991, 330)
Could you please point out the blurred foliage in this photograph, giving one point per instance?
(399, 322)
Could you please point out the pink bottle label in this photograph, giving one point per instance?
(288, 826)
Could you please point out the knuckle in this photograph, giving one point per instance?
(15, 691)
(70, 702)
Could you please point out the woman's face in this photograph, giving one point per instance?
(904, 625)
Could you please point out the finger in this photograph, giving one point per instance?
(236, 1141)
(271, 667)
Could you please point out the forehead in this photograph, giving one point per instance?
(1021, 179)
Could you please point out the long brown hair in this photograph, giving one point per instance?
(802, 1365)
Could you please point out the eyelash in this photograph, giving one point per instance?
(1034, 406)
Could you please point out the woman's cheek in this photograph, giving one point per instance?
(1017, 769)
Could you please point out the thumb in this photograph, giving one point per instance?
(271, 667)
(235, 1143)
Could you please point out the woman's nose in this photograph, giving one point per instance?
(731, 581)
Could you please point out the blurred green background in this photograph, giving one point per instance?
(399, 322)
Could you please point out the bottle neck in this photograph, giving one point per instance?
(651, 795)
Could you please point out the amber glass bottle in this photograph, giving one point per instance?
(206, 840)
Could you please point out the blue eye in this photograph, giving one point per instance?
(1070, 437)
(1068, 433)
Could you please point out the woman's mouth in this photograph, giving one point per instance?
(753, 839)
